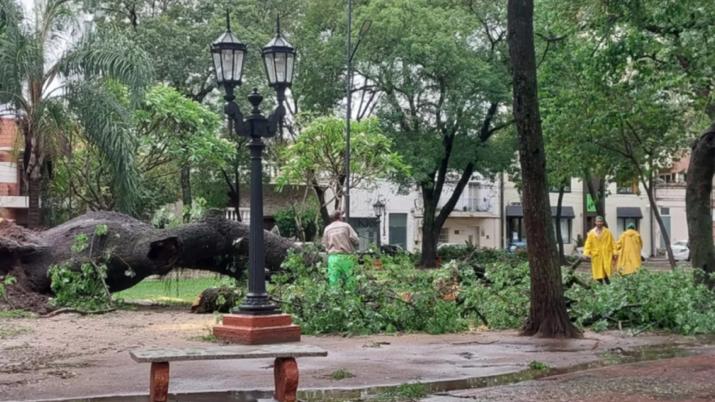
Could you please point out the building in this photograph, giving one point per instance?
(670, 197)
(13, 195)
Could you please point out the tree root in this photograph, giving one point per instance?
(75, 310)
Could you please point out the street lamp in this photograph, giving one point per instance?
(229, 55)
(379, 208)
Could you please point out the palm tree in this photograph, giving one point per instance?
(52, 88)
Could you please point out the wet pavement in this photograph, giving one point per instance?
(689, 378)
(57, 361)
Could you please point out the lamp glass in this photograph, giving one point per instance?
(228, 55)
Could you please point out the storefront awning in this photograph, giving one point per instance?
(628, 212)
(518, 211)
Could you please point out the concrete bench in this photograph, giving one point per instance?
(285, 368)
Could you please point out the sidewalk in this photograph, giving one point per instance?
(676, 379)
(444, 362)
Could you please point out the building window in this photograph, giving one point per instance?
(368, 231)
(665, 211)
(515, 228)
(630, 187)
(398, 230)
(443, 235)
(555, 189)
(624, 222)
(565, 229)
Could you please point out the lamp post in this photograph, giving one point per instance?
(379, 208)
(229, 56)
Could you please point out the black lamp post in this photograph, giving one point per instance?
(229, 55)
(379, 208)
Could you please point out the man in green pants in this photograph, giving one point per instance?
(340, 241)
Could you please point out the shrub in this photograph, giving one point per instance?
(397, 297)
(287, 222)
(479, 287)
(647, 300)
(80, 282)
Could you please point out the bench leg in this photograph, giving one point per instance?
(285, 371)
(159, 382)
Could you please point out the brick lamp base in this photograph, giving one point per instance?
(257, 329)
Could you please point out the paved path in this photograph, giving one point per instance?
(72, 357)
(676, 379)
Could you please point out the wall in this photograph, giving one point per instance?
(362, 200)
(573, 199)
(12, 205)
(647, 225)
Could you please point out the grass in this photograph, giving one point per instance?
(341, 374)
(12, 331)
(17, 314)
(538, 366)
(168, 291)
(405, 392)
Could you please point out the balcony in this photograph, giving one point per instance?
(13, 201)
(474, 207)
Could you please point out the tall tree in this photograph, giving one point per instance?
(169, 132)
(316, 159)
(637, 56)
(547, 311)
(698, 205)
(442, 82)
(46, 89)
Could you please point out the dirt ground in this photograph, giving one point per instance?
(34, 350)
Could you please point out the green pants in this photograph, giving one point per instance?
(340, 270)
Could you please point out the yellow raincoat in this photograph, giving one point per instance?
(628, 249)
(600, 249)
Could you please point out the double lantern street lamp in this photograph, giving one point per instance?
(229, 56)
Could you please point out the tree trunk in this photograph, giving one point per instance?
(131, 249)
(699, 208)
(34, 189)
(234, 191)
(547, 311)
(320, 195)
(559, 235)
(650, 191)
(186, 191)
(430, 233)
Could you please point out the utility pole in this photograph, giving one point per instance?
(348, 93)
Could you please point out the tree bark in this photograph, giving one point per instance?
(430, 233)
(650, 191)
(547, 311)
(699, 208)
(186, 191)
(131, 249)
(559, 235)
(34, 188)
(320, 195)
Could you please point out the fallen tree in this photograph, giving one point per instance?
(131, 249)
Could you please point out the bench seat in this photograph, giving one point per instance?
(285, 368)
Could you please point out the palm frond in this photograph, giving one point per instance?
(107, 126)
(110, 54)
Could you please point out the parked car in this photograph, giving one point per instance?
(517, 246)
(681, 251)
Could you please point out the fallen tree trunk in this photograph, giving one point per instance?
(132, 250)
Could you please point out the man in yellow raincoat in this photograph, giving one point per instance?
(600, 247)
(628, 249)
